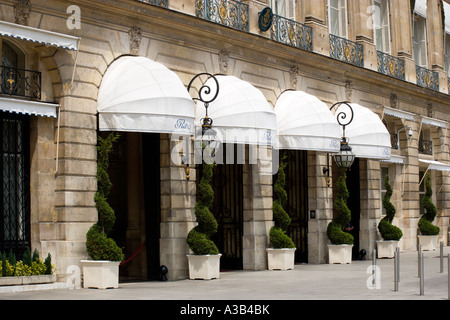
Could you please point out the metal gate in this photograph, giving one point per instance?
(228, 211)
(297, 206)
(15, 183)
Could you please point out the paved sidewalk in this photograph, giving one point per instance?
(306, 282)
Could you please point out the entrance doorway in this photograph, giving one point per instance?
(297, 205)
(135, 197)
(354, 204)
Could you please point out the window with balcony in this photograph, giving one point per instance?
(425, 142)
(381, 25)
(16, 81)
(384, 172)
(337, 17)
(420, 40)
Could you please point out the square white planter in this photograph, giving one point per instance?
(340, 253)
(100, 274)
(205, 267)
(280, 259)
(428, 243)
(386, 248)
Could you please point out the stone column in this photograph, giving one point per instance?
(315, 16)
(435, 36)
(361, 29)
(177, 211)
(320, 200)
(258, 215)
(402, 37)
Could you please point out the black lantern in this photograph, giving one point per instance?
(208, 142)
(345, 157)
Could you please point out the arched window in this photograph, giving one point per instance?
(15, 79)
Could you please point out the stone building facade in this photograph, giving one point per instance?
(366, 52)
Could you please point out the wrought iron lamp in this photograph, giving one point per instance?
(345, 157)
(208, 142)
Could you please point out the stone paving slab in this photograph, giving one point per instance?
(306, 282)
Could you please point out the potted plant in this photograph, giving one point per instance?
(204, 263)
(282, 255)
(102, 271)
(390, 233)
(340, 249)
(429, 232)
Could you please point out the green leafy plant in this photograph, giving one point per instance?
(335, 230)
(98, 245)
(199, 238)
(425, 223)
(278, 236)
(387, 230)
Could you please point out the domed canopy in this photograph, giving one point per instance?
(306, 123)
(367, 135)
(141, 95)
(241, 113)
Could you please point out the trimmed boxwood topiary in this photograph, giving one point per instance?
(335, 230)
(387, 230)
(425, 223)
(98, 245)
(199, 238)
(278, 236)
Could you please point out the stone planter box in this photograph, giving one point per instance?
(386, 248)
(428, 243)
(27, 280)
(100, 274)
(340, 253)
(280, 259)
(205, 267)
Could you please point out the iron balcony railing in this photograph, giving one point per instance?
(346, 50)
(159, 3)
(292, 33)
(426, 147)
(427, 78)
(390, 65)
(20, 82)
(230, 13)
(394, 141)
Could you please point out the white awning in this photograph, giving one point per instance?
(398, 113)
(38, 35)
(28, 107)
(421, 8)
(435, 165)
(434, 122)
(447, 17)
(141, 95)
(241, 113)
(306, 123)
(395, 159)
(368, 137)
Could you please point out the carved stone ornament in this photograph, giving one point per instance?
(135, 39)
(22, 9)
(394, 101)
(224, 58)
(348, 91)
(293, 72)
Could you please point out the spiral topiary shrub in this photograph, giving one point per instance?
(278, 236)
(425, 223)
(98, 245)
(387, 230)
(199, 238)
(335, 230)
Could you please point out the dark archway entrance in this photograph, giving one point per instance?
(297, 206)
(135, 197)
(354, 203)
